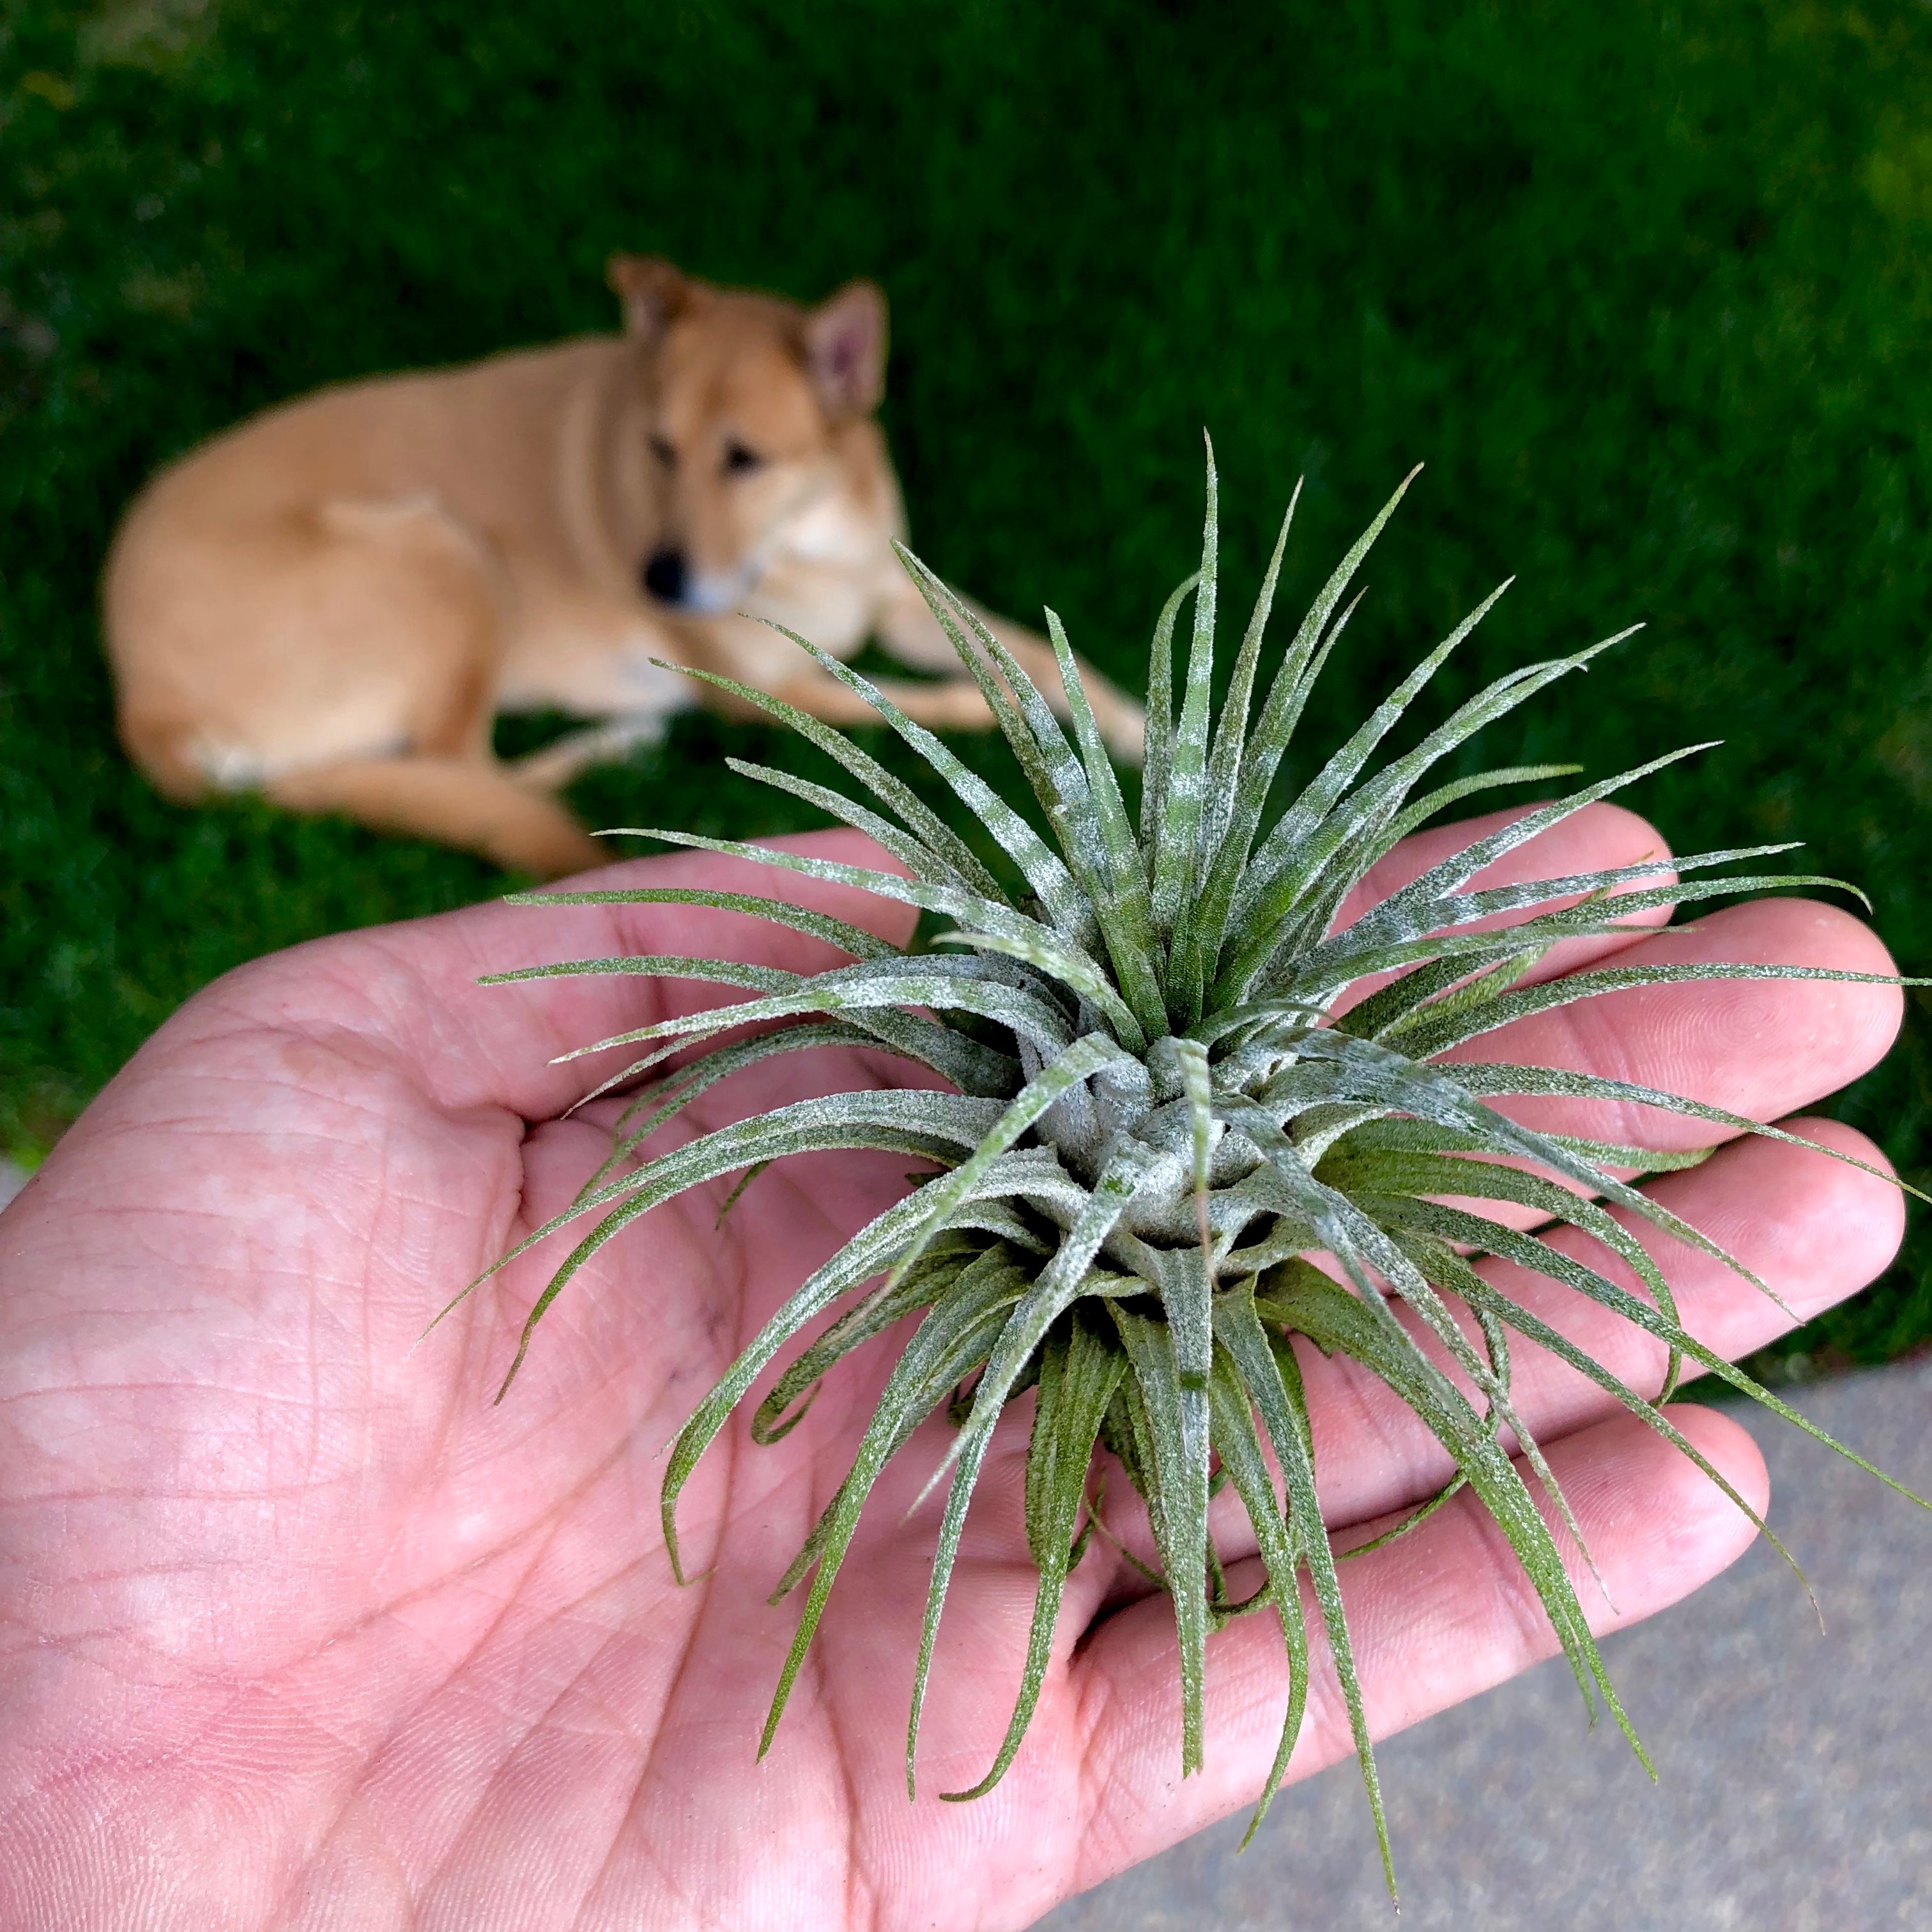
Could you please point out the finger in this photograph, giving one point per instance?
(1813, 1229)
(1442, 1615)
(1600, 837)
(410, 991)
(1762, 1047)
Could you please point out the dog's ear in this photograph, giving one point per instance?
(845, 349)
(652, 292)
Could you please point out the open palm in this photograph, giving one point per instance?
(296, 1630)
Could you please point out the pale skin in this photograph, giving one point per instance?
(297, 1631)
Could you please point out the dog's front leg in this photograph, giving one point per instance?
(560, 763)
(607, 664)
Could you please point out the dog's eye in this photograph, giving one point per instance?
(738, 459)
(665, 453)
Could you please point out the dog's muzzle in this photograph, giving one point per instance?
(664, 575)
(668, 577)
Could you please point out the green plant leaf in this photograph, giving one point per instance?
(1175, 1403)
(848, 938)
(1055, 1290)
(1120, 888)
(1233, 1424)
(926, 825)
(1079, 1372)
(1159, 755)
(951, 1341)
(1177, 835)
(1074, 1064)
(1267, 1368)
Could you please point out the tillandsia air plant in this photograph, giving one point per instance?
(1160, 1105)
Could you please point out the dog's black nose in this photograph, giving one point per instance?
(664, 575)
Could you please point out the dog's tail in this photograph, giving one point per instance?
(461, 801)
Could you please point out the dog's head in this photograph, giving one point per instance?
(742, 399)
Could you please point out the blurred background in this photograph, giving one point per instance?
(1648, 287)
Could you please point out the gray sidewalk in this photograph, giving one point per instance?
(1794, 1768)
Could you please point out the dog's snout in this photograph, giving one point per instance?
(664, 575)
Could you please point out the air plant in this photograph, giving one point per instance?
(1159, 1103)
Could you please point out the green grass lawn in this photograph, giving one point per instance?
(1650, 289)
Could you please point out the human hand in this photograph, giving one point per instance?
(296, 1631)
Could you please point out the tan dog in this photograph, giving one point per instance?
(330, 602)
